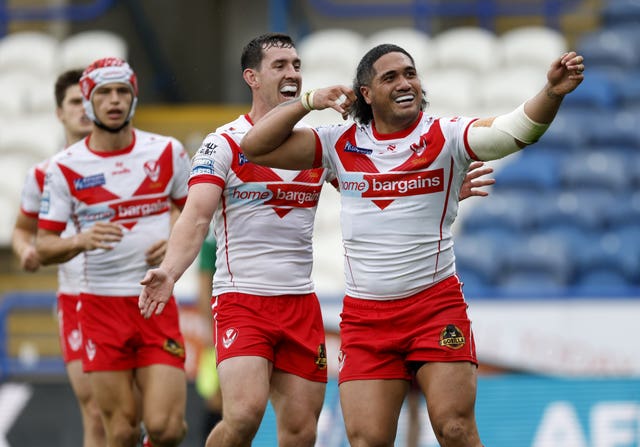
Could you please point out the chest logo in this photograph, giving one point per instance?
(152, 169)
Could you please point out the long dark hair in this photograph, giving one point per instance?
(361, 111)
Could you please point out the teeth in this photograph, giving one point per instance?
(404, 98)
(289, 89)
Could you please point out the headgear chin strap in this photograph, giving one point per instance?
(106, 71)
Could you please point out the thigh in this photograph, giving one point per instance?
(79, 381)
(163, 391)
(450, 391)
(371, 409)
(296, 401)
(244, 383)
(113, 392)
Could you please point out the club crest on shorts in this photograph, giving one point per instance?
(90, 348)
(173, 347)
(229, 337)
(341, 359)
(321, 359)
(452, 337)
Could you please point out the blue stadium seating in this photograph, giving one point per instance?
(608, 47)
(595, 169)
(532, 169)
(619, 12)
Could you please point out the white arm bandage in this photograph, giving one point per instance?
(499, 140)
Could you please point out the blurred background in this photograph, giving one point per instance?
(550, 261)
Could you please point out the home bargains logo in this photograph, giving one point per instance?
(393, 184)
(134, 209)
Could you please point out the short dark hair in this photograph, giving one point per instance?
(365, 73)
(253, 52)
(64, 81)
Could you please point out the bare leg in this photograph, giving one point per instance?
(297, 403)
(244, 382)
(93, 430)
(450, 390)
(371, 409)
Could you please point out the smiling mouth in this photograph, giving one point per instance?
(289, 91)
(404, 99)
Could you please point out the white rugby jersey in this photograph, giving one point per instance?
(132, 187)
(70, 272)
(399, 196)
(264, 221)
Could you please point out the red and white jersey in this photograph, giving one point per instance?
(70, 272)
(264, 221)
(132, 187)
(399, 195)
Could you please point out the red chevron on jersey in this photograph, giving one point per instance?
(159, 173)
(246, 171)
(87, 189)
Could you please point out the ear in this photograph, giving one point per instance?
(250, 77)
(366, 93)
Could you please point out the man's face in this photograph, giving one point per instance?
(279, 77)
(111, 103)
(395, 93)
(71, 114)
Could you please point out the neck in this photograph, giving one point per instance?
(105, 141)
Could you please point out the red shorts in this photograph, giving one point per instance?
(380, 339)
(117, 337)
(69, 328)
(287, 330)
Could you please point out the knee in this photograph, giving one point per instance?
(457, 432)
(373, 437)
(241, 422)
(298, 435)
(124, 434)
(166, 431)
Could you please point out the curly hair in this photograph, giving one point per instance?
(361, 111)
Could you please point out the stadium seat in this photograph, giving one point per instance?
(595, 169)
(451, 92)
(567, 131)
(619, 128)
(544, 254)
(14, 89)
(531, 284)
(31, 52)
(607, 47)
(517, 50)
(318, 51)
(530, 170)
(509, 210)
(467, 47)
(81, 49)
(602, 282)
(625, 210)
(596, 92)
(584, 209)
(416, 42)
(620, 12)
(618, 250)
(36, 137)
(503, 89)
(481, 255)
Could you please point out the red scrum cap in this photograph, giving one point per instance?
(106, 71)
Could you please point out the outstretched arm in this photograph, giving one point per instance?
(273, 141)
(185, 241)
(493, 138)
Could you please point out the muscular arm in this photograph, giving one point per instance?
(493, 138)
(185, 241)
(273, 141)
(23, 242)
